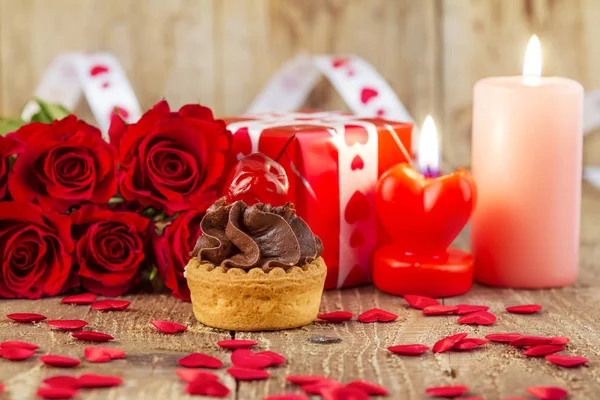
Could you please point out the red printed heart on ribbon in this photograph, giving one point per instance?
(356, 134)
(99, 69)
(357, 163)
(122, 112)
(367, 94)
(358, 208)
(339, 62)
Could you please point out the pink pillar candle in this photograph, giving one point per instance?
(527, 162)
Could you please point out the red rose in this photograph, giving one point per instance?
(172, 250)
(63, 164)
(35, 246)
(172, 160)
(8, 147)
(109, 248)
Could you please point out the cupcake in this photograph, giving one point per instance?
(255, 267)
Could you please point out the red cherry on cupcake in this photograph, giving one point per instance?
(257, 178)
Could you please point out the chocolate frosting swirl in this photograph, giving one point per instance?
(259, 236)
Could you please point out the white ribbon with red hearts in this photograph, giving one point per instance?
(365, 92)
(591, 122)
(98, 76)
(353, 183)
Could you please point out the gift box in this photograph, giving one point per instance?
(333, 161)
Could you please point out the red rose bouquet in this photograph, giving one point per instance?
(79, 212)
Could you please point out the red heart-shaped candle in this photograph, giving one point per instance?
(423, 215)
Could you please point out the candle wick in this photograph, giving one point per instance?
(429, 172)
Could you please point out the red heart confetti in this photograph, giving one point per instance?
(62, 381)
(321, 388)
(469, 344)
(169, 327)
(67, 324)
(377, 315)
(344, 393)
(447, 391)
(276, 358)
(245, 358)
(439, 310)
(26, 317)
(56, 393)
(200, 360)
(80, 299)
(111, 305)
(370, 388)
(305, 379)
(566, 361)
(190, 375)
(447, 343)
(207, 387)
(478, 318)
(470, 308)
(1, 388)
(248, 374)
(16, 343)
(557, 340)
(524, 309)
(16, 353)
(503, 337)
(287, 396)
(102, 354)
(542, 350)
(420, 302)
(237, 344)
(547, 392)
(409, 349)
(59, 361)
(92, 336)
(336, 316)
(357, 163)
(90, 381)
(527, 341)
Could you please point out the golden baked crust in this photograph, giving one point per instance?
(253, 300)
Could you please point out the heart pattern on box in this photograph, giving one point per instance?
(358, 208)
(355, 134)
(357, 163)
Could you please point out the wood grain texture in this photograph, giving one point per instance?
(487, 38)
(222, 52)
(494, 371)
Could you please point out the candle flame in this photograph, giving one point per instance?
(532, 66)
(429, 155)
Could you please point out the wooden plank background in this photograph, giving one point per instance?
(222, 52)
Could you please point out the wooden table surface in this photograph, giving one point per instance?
(494, 372)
